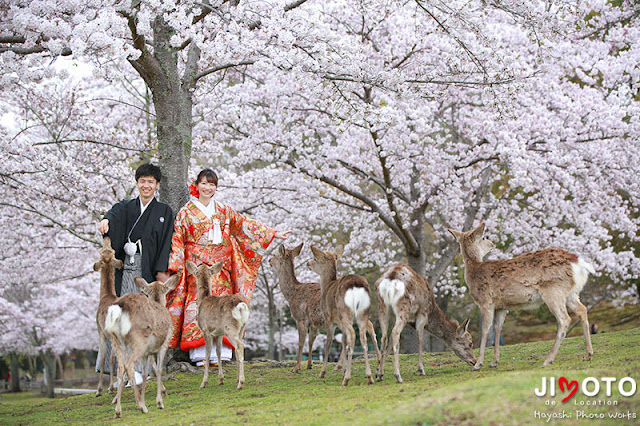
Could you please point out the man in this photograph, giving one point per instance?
(140, 230)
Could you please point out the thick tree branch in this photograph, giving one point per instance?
(220, 68)
(357, 195)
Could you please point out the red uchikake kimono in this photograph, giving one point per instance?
(241, 237)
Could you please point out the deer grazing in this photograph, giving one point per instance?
(409, 295)
(552, 276)
(140, 326)
(303, 298)
(344, 300)
(106, 265)
(218, 316)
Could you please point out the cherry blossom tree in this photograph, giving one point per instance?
(408, 119)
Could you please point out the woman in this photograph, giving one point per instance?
(207, 231)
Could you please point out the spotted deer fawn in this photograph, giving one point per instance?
(344, 300)
(218, 316)
(304, 299)
(552, 276)
(140, 325)
(106, 265)
(408, 294)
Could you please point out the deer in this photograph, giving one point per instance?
(552, 276)
(408, 294)
(217, 316)
(344, 300)
(304, 300)
(106, 265)
(140, 325)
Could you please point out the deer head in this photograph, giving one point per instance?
(323, 259)
(107, 256)
(157, 290)
(284, 255)
(462, 343)
(203, 274)
(473, 244)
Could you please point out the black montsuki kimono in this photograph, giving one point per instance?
(154, 230)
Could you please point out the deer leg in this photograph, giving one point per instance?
(237, 343)
(401, 321)
(302, 334)
(137, 352)
(312, 337)
(143, 385)
(558, 308)
(341, 358)
(383, 318)
(327, 346)
(101, 362)
(487, 319)
(350, 339)
(498, 320)
(421, 321)
(219, 354)
(573, 303)
(362, 327)
(112, 363)
(157, 368)
(372, 333)
(120, 381)
(207, 354)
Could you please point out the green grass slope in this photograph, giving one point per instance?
(449, 394)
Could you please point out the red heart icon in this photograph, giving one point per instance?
(570, 385)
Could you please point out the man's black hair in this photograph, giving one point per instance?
(148, 169)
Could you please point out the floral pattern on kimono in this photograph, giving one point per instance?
(241, 237)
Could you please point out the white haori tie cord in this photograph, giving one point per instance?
(131, 248)
(215, 234)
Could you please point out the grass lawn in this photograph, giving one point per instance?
(449, 394)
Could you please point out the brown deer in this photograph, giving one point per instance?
(304, 300)
(140, 326)
(218, 316)
(344, 300)
(106, 265)
(552, 276)
(409, 295)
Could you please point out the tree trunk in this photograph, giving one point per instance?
(15, 373)
(49, 373)
(59, 368)
(272, 325)
(174, 108)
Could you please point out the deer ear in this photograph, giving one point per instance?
(464, 327)
(281, 250)
(142, 284)
(217, 267)
(478, 232)
(296, 251)
(117, 263)
(455, 234)
(340, 250)
(98, 265)
(171, 283)
(316, 251)
(191, 267)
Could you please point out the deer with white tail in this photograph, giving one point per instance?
(218, 316)
(408, 294)
(303, 298)
(140, 326)
(344, 300)
(552, 276)
(106, 265)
